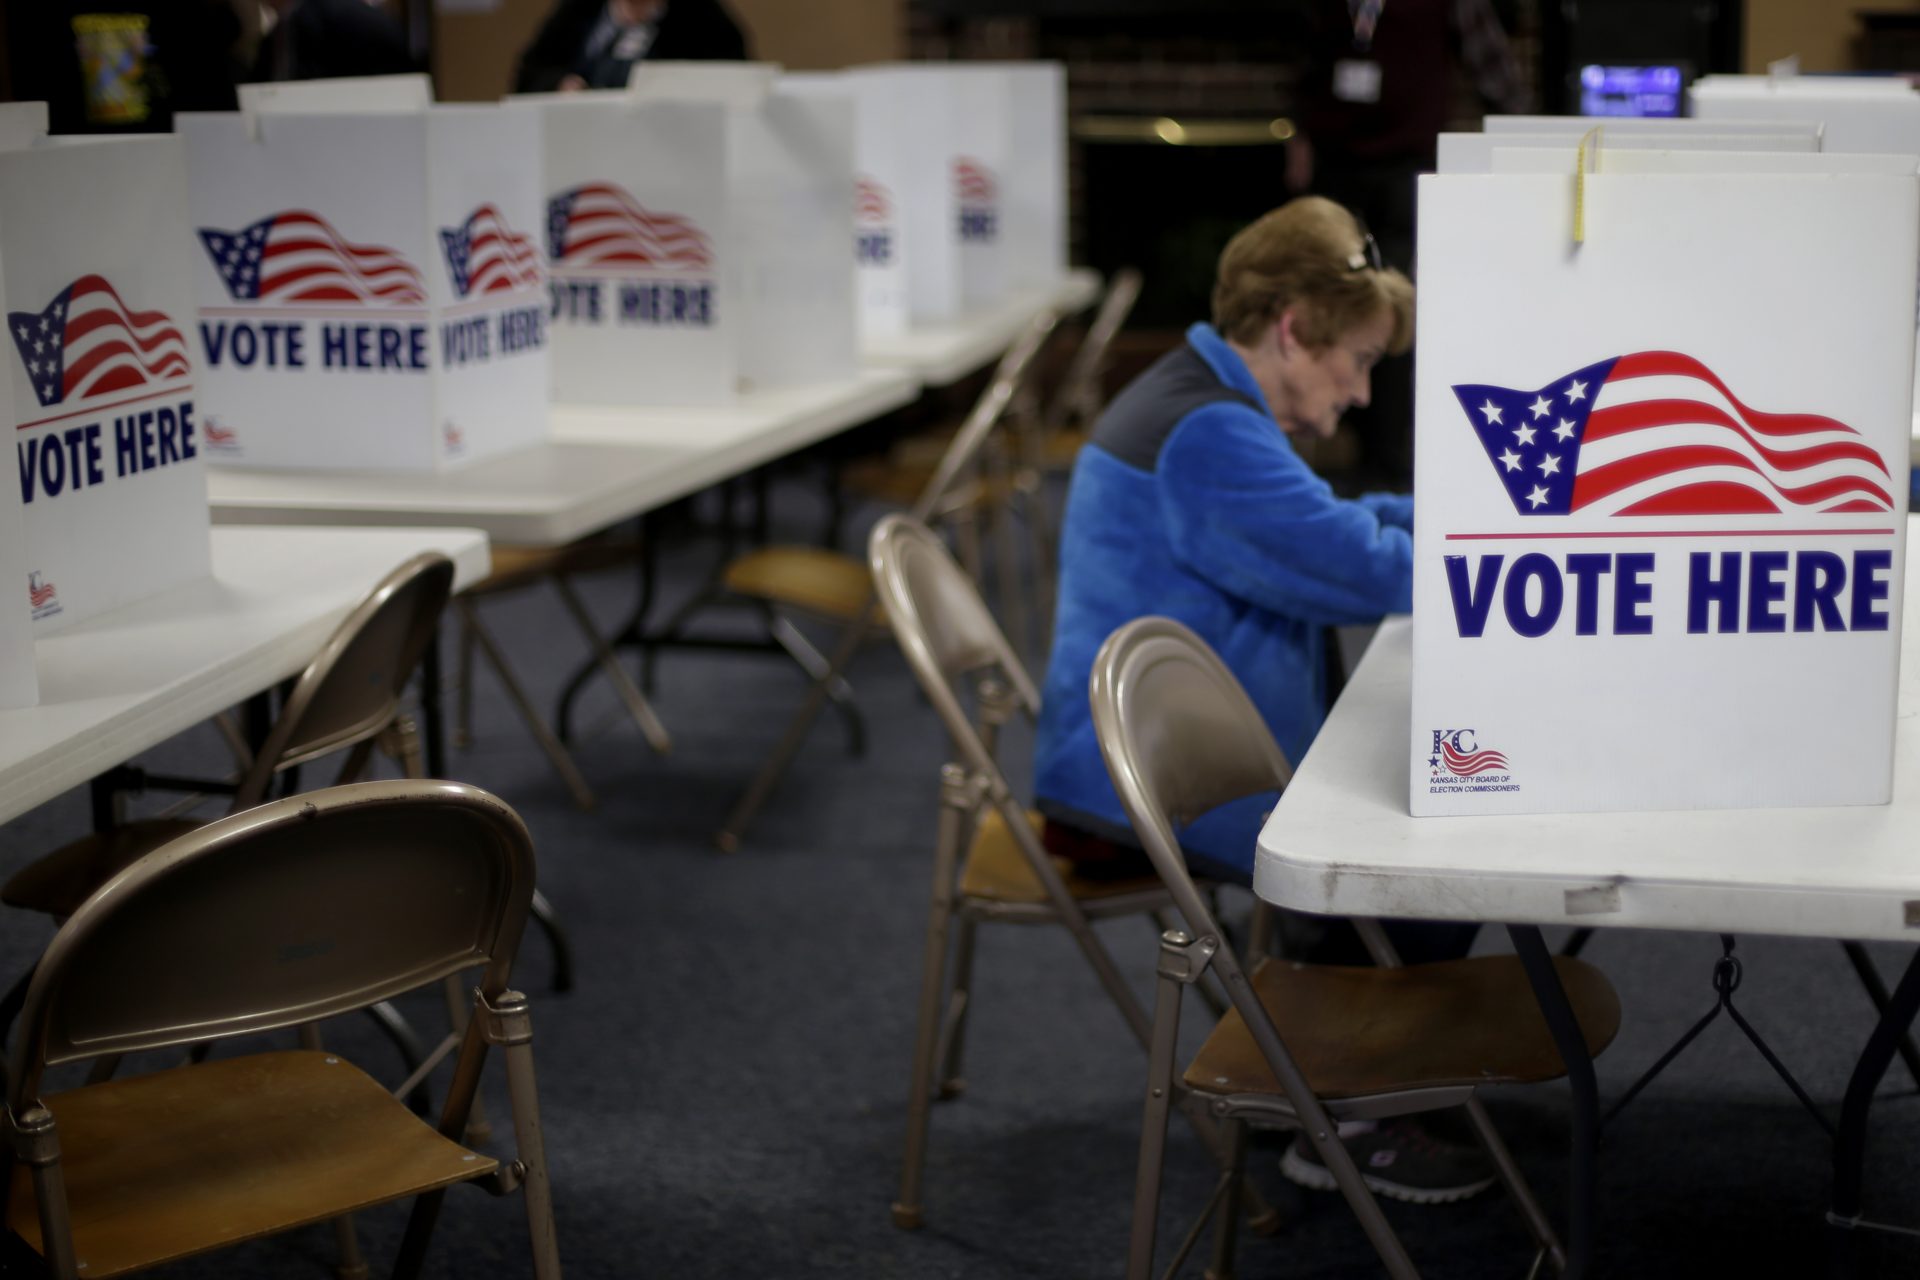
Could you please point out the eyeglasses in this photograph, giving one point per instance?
(1370, 258)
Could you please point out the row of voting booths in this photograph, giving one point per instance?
(345, 276)
(1663, 412)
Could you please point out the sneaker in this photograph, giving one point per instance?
(1399, 1159)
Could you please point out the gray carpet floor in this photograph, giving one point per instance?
(724, 1091)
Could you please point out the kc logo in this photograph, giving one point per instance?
(1455, 751)
(41, 596)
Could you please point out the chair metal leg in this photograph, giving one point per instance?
(749, 804)
(37, 1145)
(1515, 1183)
(953, 1028)
(1227, 1221)
(955, 801)
(1175, 961)
(642, 711)
(815, 664)
(530, 1146)
(557, 754)
(996, 505)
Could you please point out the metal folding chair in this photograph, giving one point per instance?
(301, 909)
(1305, 1046)
(348, 699)
(989, 864)
(349, 695)
(839, 588)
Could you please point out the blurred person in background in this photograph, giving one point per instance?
(321, 39)
(1377, 87)
(593, 44)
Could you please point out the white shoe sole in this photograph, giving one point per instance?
(1317, 1177)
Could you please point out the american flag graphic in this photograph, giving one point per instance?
(601, 225)
(87, 342)
(296, 256)
(872, 205)
(1466, 764)
(39, 594)
(1658, 433)
(485, 255)
(973, 181)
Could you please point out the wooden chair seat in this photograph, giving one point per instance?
(59, 882)
(997, 871)
(172, 1164)
(887, 479)
(1361, 1031)
(811, 579)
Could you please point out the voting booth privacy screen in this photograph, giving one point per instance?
(640, 250)
(347, 323)
(789, 174)
(907, 161)
(880, 160)
(19, 685)
(109, 425)
(1663, 487)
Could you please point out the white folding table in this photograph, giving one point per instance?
(121, 682)
(1341, 842)
(601, 466)
(942, 354)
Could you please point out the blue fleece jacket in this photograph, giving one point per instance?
(1189, 502)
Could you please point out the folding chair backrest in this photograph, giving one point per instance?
(297, 910)
(943, 627)
(1008, 377)
(1180, 737)
(352, 688)
(1079, 397)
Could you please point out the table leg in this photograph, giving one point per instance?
(1567, 1037)
(1850, 1147)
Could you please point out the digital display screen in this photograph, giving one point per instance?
(1630, 91)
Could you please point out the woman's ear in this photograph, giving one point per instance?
(1283, 334)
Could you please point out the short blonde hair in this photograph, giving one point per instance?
(1309, 254)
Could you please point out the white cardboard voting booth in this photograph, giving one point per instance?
(976, 153)
(639, 248)
(350, 94)
(906, 154)
(1875, 121)
(881, 248)
(109, 429)
(1034, 193)
(19, 684)
(347, 323)
(790, 166)
(1662, 491)
(1473, 152)
(21, 123)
